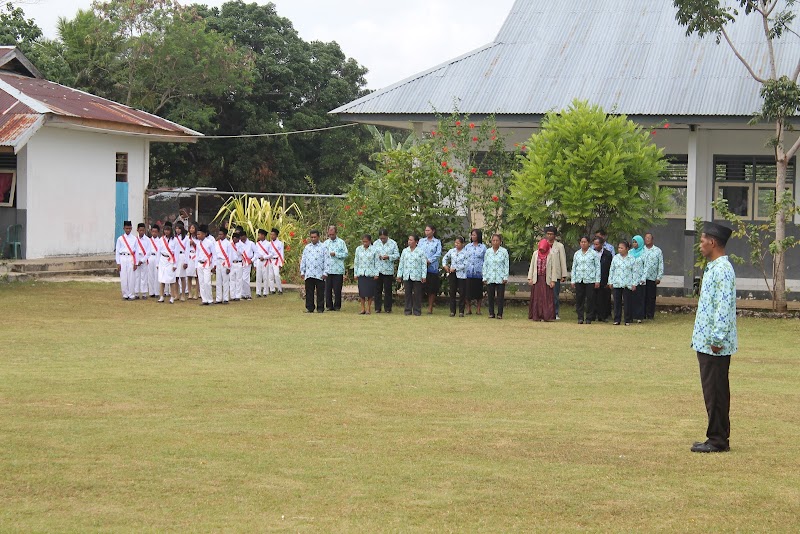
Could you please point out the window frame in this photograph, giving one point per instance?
(752, 183)
(677, 159)
(121, 156)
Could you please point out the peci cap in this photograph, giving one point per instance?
(550, 228)
(127, 223)
(723, 233)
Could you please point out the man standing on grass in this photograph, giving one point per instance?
(557, 249)
(337, 251)
(715, 337)
(313, 270)
(654, 272)
(126, 261)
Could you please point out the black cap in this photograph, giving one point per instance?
(127, 223)
(203, 228)
(723, 233)
(550, 229)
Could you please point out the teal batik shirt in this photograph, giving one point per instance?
(386, 249)
(336, 263)
(495, 266)
(653, 263)
(413, 265)
(433, 252)
(586, 267)
(457, 261)
(715, 323)
(366, 262)
(625, 272)
(475, 256)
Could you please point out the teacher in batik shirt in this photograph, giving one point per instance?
(432, 248)
(476, 251)
(715, 337)
(337, 252)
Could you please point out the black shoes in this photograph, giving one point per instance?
(708, 447)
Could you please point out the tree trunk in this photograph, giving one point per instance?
(778, 270)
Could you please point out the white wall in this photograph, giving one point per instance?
(71, 190)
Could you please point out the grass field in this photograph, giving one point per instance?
(131, 416)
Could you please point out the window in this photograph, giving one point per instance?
(122, 167)
(748, 183)
(674, 180)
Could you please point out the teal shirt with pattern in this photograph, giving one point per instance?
(413, 265)
(495, 266)
(336, 263)
(715, 322)
(653, 263)
(457, 261)
(624, 272)
(585, 267)
(386, 249)
(366, 262)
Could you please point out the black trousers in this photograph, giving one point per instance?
(638, 303)
(333, 291)
(497, 291)
(312, 285)
(623, 294)
(602, 303)
(717, 395)
(413, 291)
(459, 286)
(650, 292)
(383, 291)
(584, 301)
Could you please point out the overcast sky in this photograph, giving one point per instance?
(393, 40)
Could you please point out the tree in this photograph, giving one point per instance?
(780, 92)
(585, 170)
(26, 35)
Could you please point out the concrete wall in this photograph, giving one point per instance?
(68, 190)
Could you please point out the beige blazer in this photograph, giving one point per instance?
(561, 260)
(552, 262)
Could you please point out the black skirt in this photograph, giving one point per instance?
(474, 288)
(366, 287)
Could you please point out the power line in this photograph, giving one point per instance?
(241, 136)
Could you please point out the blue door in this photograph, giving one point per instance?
(122, 208)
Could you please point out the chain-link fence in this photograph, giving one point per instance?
(203, 205)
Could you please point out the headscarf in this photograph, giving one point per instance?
(544, 249)
(636, 252)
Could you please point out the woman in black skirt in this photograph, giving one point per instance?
(365, 269)
(476, 251)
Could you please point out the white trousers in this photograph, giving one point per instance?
(223, 284)
(246, 292)
(274, 277)
(236, 281)
(140, 280)
(127, 283)
(261, 278)
(152, 276)
(204, 281)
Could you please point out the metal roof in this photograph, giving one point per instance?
(629, 56)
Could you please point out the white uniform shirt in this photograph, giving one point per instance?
(276, 254)
(237, 252)
(166, 248)
(142, 249)
(262, 249)
(122, 252)
(248, 250)
(209, 245)
(223, 254)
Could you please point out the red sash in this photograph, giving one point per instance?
(228, 261)
(130, 250)
(141, 246)
(155, 247)
(171, 255)
(247, 260)
(262, 248)
(280, 257)
(208, 256)
(180, 242)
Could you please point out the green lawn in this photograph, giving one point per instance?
(132, 416)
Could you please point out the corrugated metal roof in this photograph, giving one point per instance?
(629, 56)
(15, 129)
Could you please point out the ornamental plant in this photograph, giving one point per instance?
(253, 213)
(587, 170)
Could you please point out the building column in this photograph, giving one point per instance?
(418, 129)
(699, 190)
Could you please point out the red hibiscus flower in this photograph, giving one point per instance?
(490, 173)
(458, 123)
(360, 212)
(524, 147)
(475, 139)
(449, 170)
(444, 164)
(305, 241)
(494, 138)
(445, 149)
(495, 198)
(473, 170)
(389, 171)
(288, 248)
(433, 134)
(653, 132)
(347, 208)
(472, 125)
(291, 234)
(666, 125)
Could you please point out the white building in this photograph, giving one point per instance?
(631, 57)
(73, 166)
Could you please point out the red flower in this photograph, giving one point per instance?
(472, 125)
(445, 149)
(458, 123)
(459, 132)
(653, 132)
(524, 147)
(666, 125)
(449, 170)
(495, 198)
(288, 248)
(433, 134)
(347, 208)
(516, 145)
(360, 212)
(473, 170)
(475, 139)
(494, 138)
(305, 241)
(444, 164)
(389, 171)
(291, 234)
(490, 173)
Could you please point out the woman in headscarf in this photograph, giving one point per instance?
(542, 279)
(637, 253)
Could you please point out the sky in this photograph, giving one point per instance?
(393, 40)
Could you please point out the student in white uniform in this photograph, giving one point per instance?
(222, 266)
(276, 262)
(248, 249)
(126, 261)
(236, 268)
(205, 264)
(142, 254)
(167, 264)
(152, 260)
(182, 250)
(191, 270)
(262, 260)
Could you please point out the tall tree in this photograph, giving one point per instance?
(779, 90)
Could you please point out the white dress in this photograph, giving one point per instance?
(166, 260)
